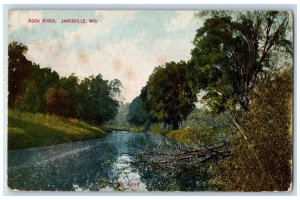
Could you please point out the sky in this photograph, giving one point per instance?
(124, 45)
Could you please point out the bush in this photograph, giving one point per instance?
(158, 129)
(264, 162)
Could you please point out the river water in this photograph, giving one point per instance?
(106, 164)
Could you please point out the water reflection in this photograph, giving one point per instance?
(113, 163)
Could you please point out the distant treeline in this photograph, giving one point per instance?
(35, 89)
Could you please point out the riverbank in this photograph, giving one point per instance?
(26, 130)
(116, 127)
(183, 136)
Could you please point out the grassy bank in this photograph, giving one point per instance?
(182, 135)
(116, 127)
(27, 130)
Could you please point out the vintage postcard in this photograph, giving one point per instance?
(150, 100)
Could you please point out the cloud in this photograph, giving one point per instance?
(183, 20)
(106, 21)
(108, 16)
(124, 60)
(19, 19)
(173, 49)
(130, 59)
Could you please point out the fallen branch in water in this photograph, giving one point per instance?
(171, 157)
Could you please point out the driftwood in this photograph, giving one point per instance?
(178, 155)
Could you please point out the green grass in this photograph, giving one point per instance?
(27, 130)
(116, 127)
(137, 129)
(157, 128)
(183, 135)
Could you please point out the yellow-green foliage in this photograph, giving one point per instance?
(264, 162)
(116, 127)
(183, 135)
(158, 129)
(137, 129)
(34, 130)
(203, 129)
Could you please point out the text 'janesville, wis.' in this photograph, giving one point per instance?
(53, 21)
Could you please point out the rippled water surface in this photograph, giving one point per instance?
(104, 164)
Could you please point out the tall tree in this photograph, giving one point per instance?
(101, 103)
(71, 85)
(171, 97)
(233, 49)
(18, 70)
(34, 88)
(136, 113)
(139, 112)
(58, 101)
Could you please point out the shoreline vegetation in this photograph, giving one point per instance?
(235, 92)
(29, 130)
(117, 127)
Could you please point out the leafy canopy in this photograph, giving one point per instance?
(233, 50)
(171, 97)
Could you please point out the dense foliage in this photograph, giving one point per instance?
(137, 115)
(35, 89)
(263, 161)
(233, 50)
(170, 95)
(241, 62)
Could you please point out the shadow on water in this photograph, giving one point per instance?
(113, 163)
(167, 174)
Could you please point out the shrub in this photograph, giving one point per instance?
(263, 161)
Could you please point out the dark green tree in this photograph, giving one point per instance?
(233, 50)
(58, 101)
(171, 97)
(101, 104)
(18, 70)
(83, 90)
(136, 113)
(71, 84)
(34, 88)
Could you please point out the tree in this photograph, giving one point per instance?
(233, 50)
(263, 161)
(101, 104)
(27, 81)
(139, 112)
(83, 98)
(136, 113)
(170, 96)
(34, 87)
(58, 101)
(18, 70)
(71, 85)
(121, 117)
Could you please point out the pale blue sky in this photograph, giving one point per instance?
(123, 44)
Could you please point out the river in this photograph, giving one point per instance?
(106, 164)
